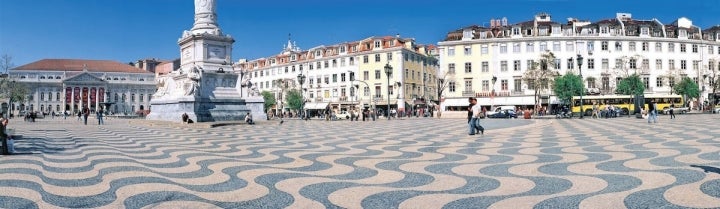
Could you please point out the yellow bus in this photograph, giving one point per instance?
(624, 102)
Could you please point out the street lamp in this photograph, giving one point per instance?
(580, 62)
(301, 80)
(492, 94)
(388, 72)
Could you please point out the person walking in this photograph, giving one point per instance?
(672, 110)
(4, 136)
(85, 114)
(100, 117)
(474, 113)
(652, 112)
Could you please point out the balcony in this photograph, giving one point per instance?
(468, 93)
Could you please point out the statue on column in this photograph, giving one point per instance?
(205, 18)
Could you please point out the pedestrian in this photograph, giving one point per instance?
(100, 117)
(249, 119)
(4, 136)
(85, 114)
(364, 114)
(594, 111)
(473, 124)
(672, 110)
(373, 113)
(652, 112)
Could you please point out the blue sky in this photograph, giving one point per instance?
(127, 30)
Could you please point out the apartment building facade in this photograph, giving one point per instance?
(484, 59)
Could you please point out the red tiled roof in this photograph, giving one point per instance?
(80, 65)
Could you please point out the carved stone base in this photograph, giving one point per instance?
(199, 110)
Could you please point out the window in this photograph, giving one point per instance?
(485, 67)
(377, 57)
(327, 79)
(516, 65)
(632, 46)
(517, 85)
(451, 68)
(711, 50)
(530, 47)
(516, 48)
(645, 31)
(571, 63)
(591, 64)
(671, 47)
(504, 84)
(342, 49)
(365, 59)
(658, 64)
(377, 74)
(590, 46)
(468, 67)
(377, 44)
(351, 76)
(671, 81)
(334, 64)
(319, 65)
(658, 47)
(468, 85)
(671, 64)
(451, 51)
(605, 83)
(591, 82)
(695, 48)
(42, 96)
(696, 64)
(683, 64)
(557, 64)
(467, 51)
(503, 66)
(633, 64)
(486, 85)
(366, 91)
(451, 86)
(645, 46)
(342, 63)
(618, 46)
(142, 96)
(390, 90)
(604, 46)
(389, 56)
(569, 46)
(503, 48)
(312, 66)
(619, 64)
(352, 61)
(605, 64)
(57, 96)
(683, 48)
(531, 83)
(556, 46)
(646, 81)
(366, 75)
(659, 82)
(543, 46)
(342, 77)
(484, 49)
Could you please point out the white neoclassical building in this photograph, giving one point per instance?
(57, 85)
(660, 53)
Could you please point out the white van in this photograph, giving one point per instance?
(499, 109)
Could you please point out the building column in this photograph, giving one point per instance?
(97, 98)
(64, 99)
(88, 98)
(72, 100)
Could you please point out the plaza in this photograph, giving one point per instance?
(411, 163)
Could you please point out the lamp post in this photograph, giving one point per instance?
(301, 80)
(580, 62)
(388, 72)
(492, 94)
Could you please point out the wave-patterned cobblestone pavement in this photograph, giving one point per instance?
(427, 163)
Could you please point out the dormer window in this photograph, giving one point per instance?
(683, 33)
(318, 53)
(354, 48)
(604, 30)
(377, 44)
(272, 61)
(516, 31)
(528, 32)
(644, 31)
(467, 34)
(544, 31)
(293, 58)
(483, 35)
(556, 29)
(342, 49)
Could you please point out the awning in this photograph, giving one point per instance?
(316, 106)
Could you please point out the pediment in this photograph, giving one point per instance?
(84, 77)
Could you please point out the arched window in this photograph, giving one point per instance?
(116, 97)
(57, 108)
(123, 98)
(42, 77)
(133, 108)
(57, 77)
(42, 97)
(141, 98)
(132, 98)
(22, 77)
(115, 79)
(57, 96)
(42, 107)
(142, 107)
(49, 96)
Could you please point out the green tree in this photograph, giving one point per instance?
(294, 99)
(688, 88)
(269, 99)
(568, 86)
(631, 85)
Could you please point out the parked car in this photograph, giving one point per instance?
(343, 115)
(677, 110)
(504, 114)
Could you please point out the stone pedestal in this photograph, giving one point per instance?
(256, 105)
(199, 110)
